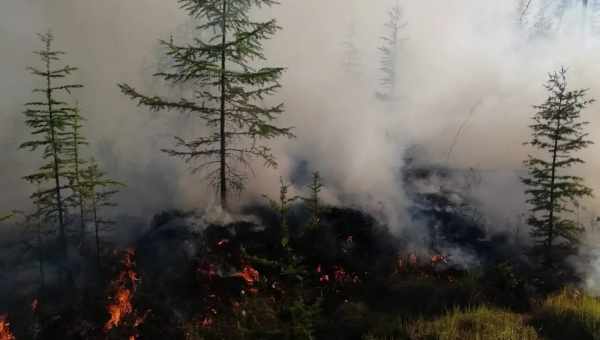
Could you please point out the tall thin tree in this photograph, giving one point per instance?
(98, 191)
(75, 163)
(390, 52)
(49, 119)
(557, 133)
(229, 91)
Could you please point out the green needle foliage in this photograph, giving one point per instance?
(75, 164)
(557, 132)
(282, 207)
(389, 53)
(228, 91)
(98, 192)
(50, 121)
(6, 217)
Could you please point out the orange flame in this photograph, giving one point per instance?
(124, 288)
(250, 275)
(5, 333)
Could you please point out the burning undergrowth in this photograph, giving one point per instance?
(188, 278)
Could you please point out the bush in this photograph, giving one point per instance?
(569, 314)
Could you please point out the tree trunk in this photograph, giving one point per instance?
(223, 175)
(56, 160)
(549, 244)
(96, 229)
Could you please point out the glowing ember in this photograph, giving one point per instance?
(250, 275)
(437, 259)
(207, 322)
(5, 333)
(124, 287)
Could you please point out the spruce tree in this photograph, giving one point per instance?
(557, 133)
(228, 94)
(49, 119)
(389, 53)
(98, 191)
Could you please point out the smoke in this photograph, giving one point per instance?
(469, 74)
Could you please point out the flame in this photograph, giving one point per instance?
(124, 288)
(5, 333)
(250, 275)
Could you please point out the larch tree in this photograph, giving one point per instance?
(229, 92)
(98, 191)
(49, 119)
(390, 52)
(75, 163)
(557, 134)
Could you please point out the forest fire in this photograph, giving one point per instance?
(5, 333)
(124, 287)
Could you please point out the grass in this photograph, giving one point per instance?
(569, 314)
(479, 323)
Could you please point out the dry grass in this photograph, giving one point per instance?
(569, 314)
(480, 323)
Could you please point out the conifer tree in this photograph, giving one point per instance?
(313, 202)
(49, 119)
(557, 133)
(229, 91)
(282, 207)
(389, 53)
(98, 191)
(75, 164)
(351, 62)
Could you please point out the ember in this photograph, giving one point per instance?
(207, 322)
(5, 333)
(437, 259)
(250, 275)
